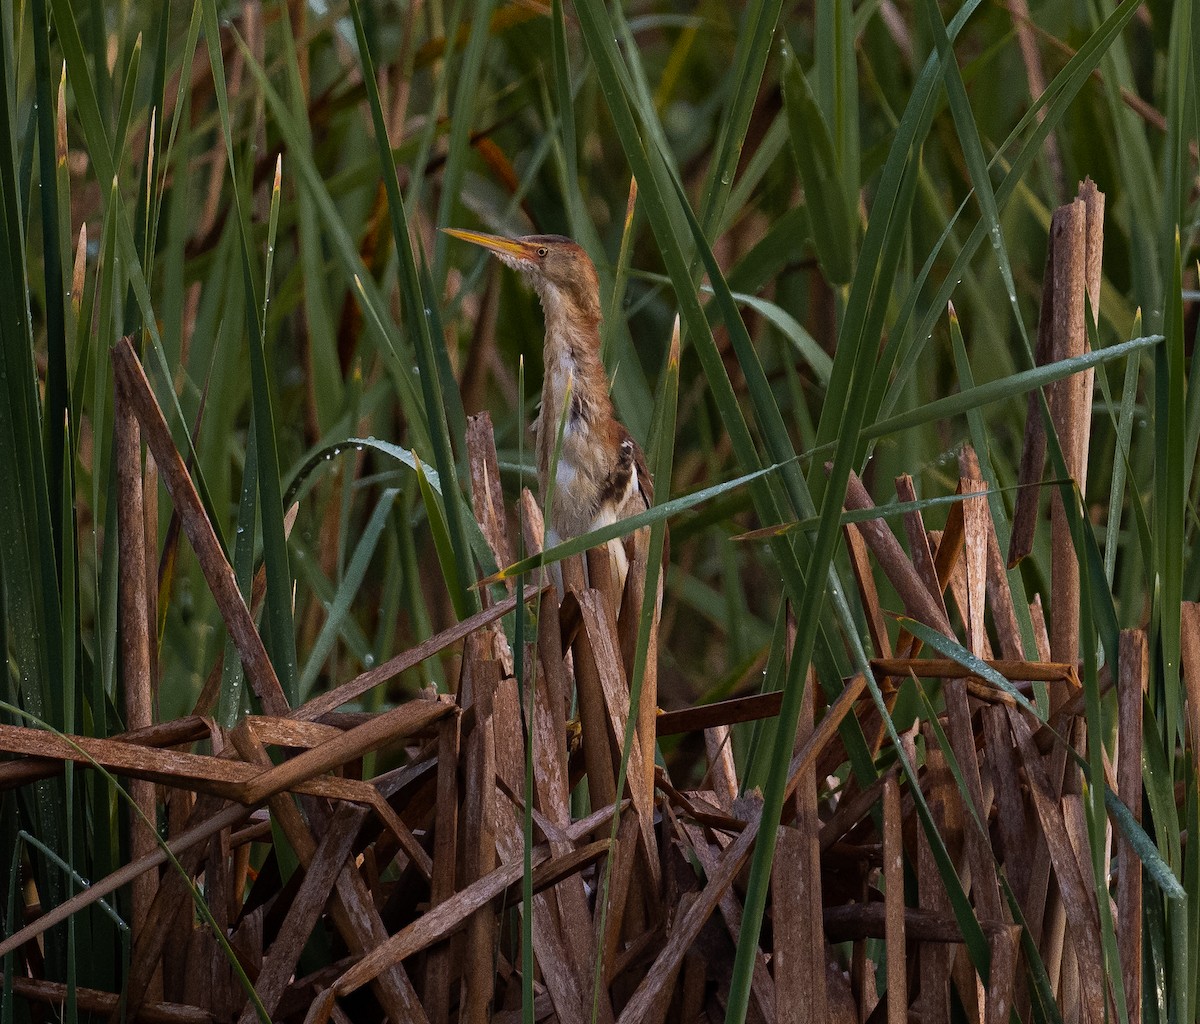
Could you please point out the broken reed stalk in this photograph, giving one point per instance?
(135, 618)
(414, 869)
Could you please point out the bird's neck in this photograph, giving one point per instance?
(572, 363)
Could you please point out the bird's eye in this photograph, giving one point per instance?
(541, 250)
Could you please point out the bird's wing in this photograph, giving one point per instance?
(629, 485)
(639, 496)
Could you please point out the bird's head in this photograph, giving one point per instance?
(558, 269)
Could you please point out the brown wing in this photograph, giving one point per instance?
(630, 459)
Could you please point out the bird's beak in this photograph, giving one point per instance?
(504, 247)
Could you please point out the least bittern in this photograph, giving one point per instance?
(601, 473)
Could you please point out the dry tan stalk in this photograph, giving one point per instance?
(724, 712)
(1070, 410)
(1133, 676)
(602, 580)
(1075, 820)
(593, 718)
(700, 807)
(797, 894)
(1035, 75)
(219, 883)
(90, 1000)
(948, 545)
(247, 944)
(999, 595)
(488, 503)
(574, 574)
(977, 523)
(552, 684)
(564, 977)
(1071, 416)
(478, 684)
(1010, 808)
(289, 732)
(852, 808)
(219, 776)
(893, 880)
(984, 885)
(798, 959)
(1033, 448)
(386, 728)
(353, 910)
(627, 623)
(945, 668)
(1093, 275)
(172, 901)
(957, 584)
(862, 980)
(918, 542)
(933, 1002)
(1077, 898)
(615, 694)
(651, 1000)
(851, 922)
(165, 734)
(487, 499)
(1003, 944)
(322, 1007)
(551, 705)
(438, 967)
(1041, 635)
(178, 929)
(918, 602)
(1190, 656)
(167, 766)
(860, 564)
(762, 987)
(693, 985)
(450, 916)
(135, 642)
(550, 713)
(150, 529)
(721, 774)
(611, 910)
(321, 705)
(135, 389)
(315, 891)
(840, 1001)
(551, 689)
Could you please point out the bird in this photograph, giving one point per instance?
(600, 475)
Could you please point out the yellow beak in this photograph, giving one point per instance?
(510, 247)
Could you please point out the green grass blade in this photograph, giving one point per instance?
(759, 20)
(466, 88)
(57, 396)
(281, 634)
(899, 358)
(1170, 476)
(623, 527)
(27, 563)
(836, 68)
(825, 193)
(441, 537)
(419, 314)
(350, 585)
(1006, 387)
